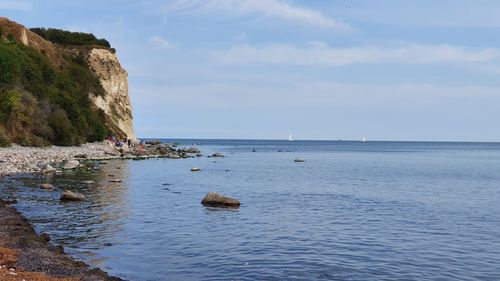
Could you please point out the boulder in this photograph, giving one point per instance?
(199, 155)
(299, 160)
(193, 150)
(173, 156)
(115, 180)
(195, 169)
(218, 154)
(46, 186)
(71, 164)
(71, 196)
(214, 199)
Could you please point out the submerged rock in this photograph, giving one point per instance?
(199, 155)
(216, 200)
(299, 160)
(71, 164)
(71, 196)
(218, 154)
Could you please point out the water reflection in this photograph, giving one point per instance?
(82, 227)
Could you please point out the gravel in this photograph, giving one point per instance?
(19, 159)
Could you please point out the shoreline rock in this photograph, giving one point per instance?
(26, 255)
(17, 159)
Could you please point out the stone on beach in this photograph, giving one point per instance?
(173, 156)
(46, 186)
(218, 154)
(115, 180)
(214, 199)
(68, 195)
(193, 150)
(48, 169)
(71, 164)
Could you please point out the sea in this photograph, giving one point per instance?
(351, 211)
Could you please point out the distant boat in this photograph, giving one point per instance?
(363, 139)
(290, 138)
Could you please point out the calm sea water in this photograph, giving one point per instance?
(352, 211)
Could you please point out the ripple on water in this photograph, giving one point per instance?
(416, 213)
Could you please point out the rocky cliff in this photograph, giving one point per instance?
(116, 102)
(109, 99)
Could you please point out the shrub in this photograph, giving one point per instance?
(41, 103)
(64, 37)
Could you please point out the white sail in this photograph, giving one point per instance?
(290, 138)
(364, 139)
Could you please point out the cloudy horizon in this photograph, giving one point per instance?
(343, 69)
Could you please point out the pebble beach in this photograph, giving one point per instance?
(19, 159)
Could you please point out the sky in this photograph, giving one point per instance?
(261, 69)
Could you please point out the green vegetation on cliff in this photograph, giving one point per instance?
(42, 103)
(64, 37)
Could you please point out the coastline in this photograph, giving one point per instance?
(27, 255)
(17, 159)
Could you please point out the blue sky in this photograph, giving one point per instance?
(339, 69)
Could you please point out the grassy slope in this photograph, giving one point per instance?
(41, 103)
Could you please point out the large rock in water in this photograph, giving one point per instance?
(71, 196)
(71, 164)
(214, 199)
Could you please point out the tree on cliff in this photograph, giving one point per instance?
(43, 103)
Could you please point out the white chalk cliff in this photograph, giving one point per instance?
(102, 61)
(116, 102)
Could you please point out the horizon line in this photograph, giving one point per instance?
(332, 140)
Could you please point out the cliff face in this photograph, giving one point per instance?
(102, 62)
(116, 102)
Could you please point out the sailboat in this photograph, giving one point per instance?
(290, 138)
(363, 139)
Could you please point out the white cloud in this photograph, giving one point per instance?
(320, 54)
(267, 8)
(15, 5)
(161, 42)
